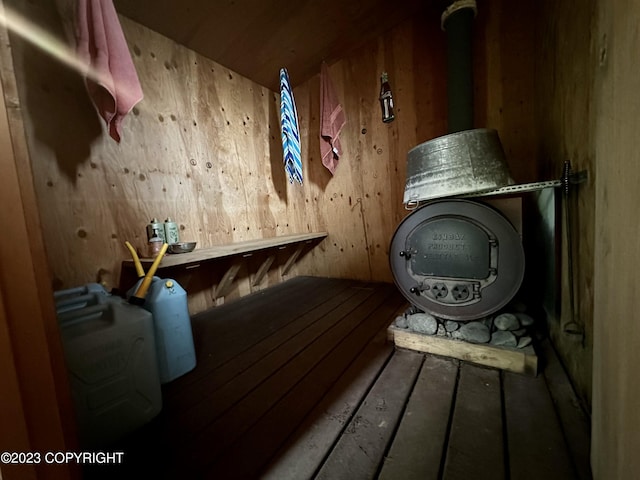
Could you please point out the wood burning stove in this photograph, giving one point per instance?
(457, 259)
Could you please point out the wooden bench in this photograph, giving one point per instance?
(243, 249)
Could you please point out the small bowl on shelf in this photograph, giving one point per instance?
(181, 247)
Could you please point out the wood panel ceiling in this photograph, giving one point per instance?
(257, 37)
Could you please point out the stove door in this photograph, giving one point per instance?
(449, 246)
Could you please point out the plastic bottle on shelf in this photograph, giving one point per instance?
(155, 229)
(171, 232)
(155, 243)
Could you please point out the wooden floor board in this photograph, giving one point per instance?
(575, 423)
(360, 449)
(290, 411)
(476, 446)
(296, 381)
(305, 449)
(537, 448)
(228, 428)
(421, 438)
(214, 399)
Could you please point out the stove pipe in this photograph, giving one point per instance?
(466, 160)
(457, 21)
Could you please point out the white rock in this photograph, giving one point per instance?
(422, 323)
(441, 331)
(451, 326)
(474, 332)
(503, 339)
(524, 342)
(401, 321)
(507, 321)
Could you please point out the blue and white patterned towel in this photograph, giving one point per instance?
(290, 132)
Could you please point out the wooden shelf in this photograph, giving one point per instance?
(220, 251)
(238, 250)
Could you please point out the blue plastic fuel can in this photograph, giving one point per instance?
(111, 360)
(175, 351)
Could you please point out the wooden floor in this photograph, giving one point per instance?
(298, 381)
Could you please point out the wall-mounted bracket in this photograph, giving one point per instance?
(262, 271)
(292, 260)
(227, 279)
(569, 177)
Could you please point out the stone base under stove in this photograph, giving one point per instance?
(520, 360)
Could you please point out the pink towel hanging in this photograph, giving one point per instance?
(111, 80)
(332, 119)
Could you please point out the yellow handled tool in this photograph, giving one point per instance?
(138, 297)
(136, 260)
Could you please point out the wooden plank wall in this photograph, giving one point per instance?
(616, 390)
(362, 203)
(203, 147)
(565, 124)
(504, 50)
(588, 102)
(37, 410)
(564, 91)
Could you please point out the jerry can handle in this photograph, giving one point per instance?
(80, 299)
(76, 290)
(70, 291)
(75, 316)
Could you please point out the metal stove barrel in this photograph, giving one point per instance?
(457, 259)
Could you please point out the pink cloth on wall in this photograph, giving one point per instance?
(111, 78)
(332, 119)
